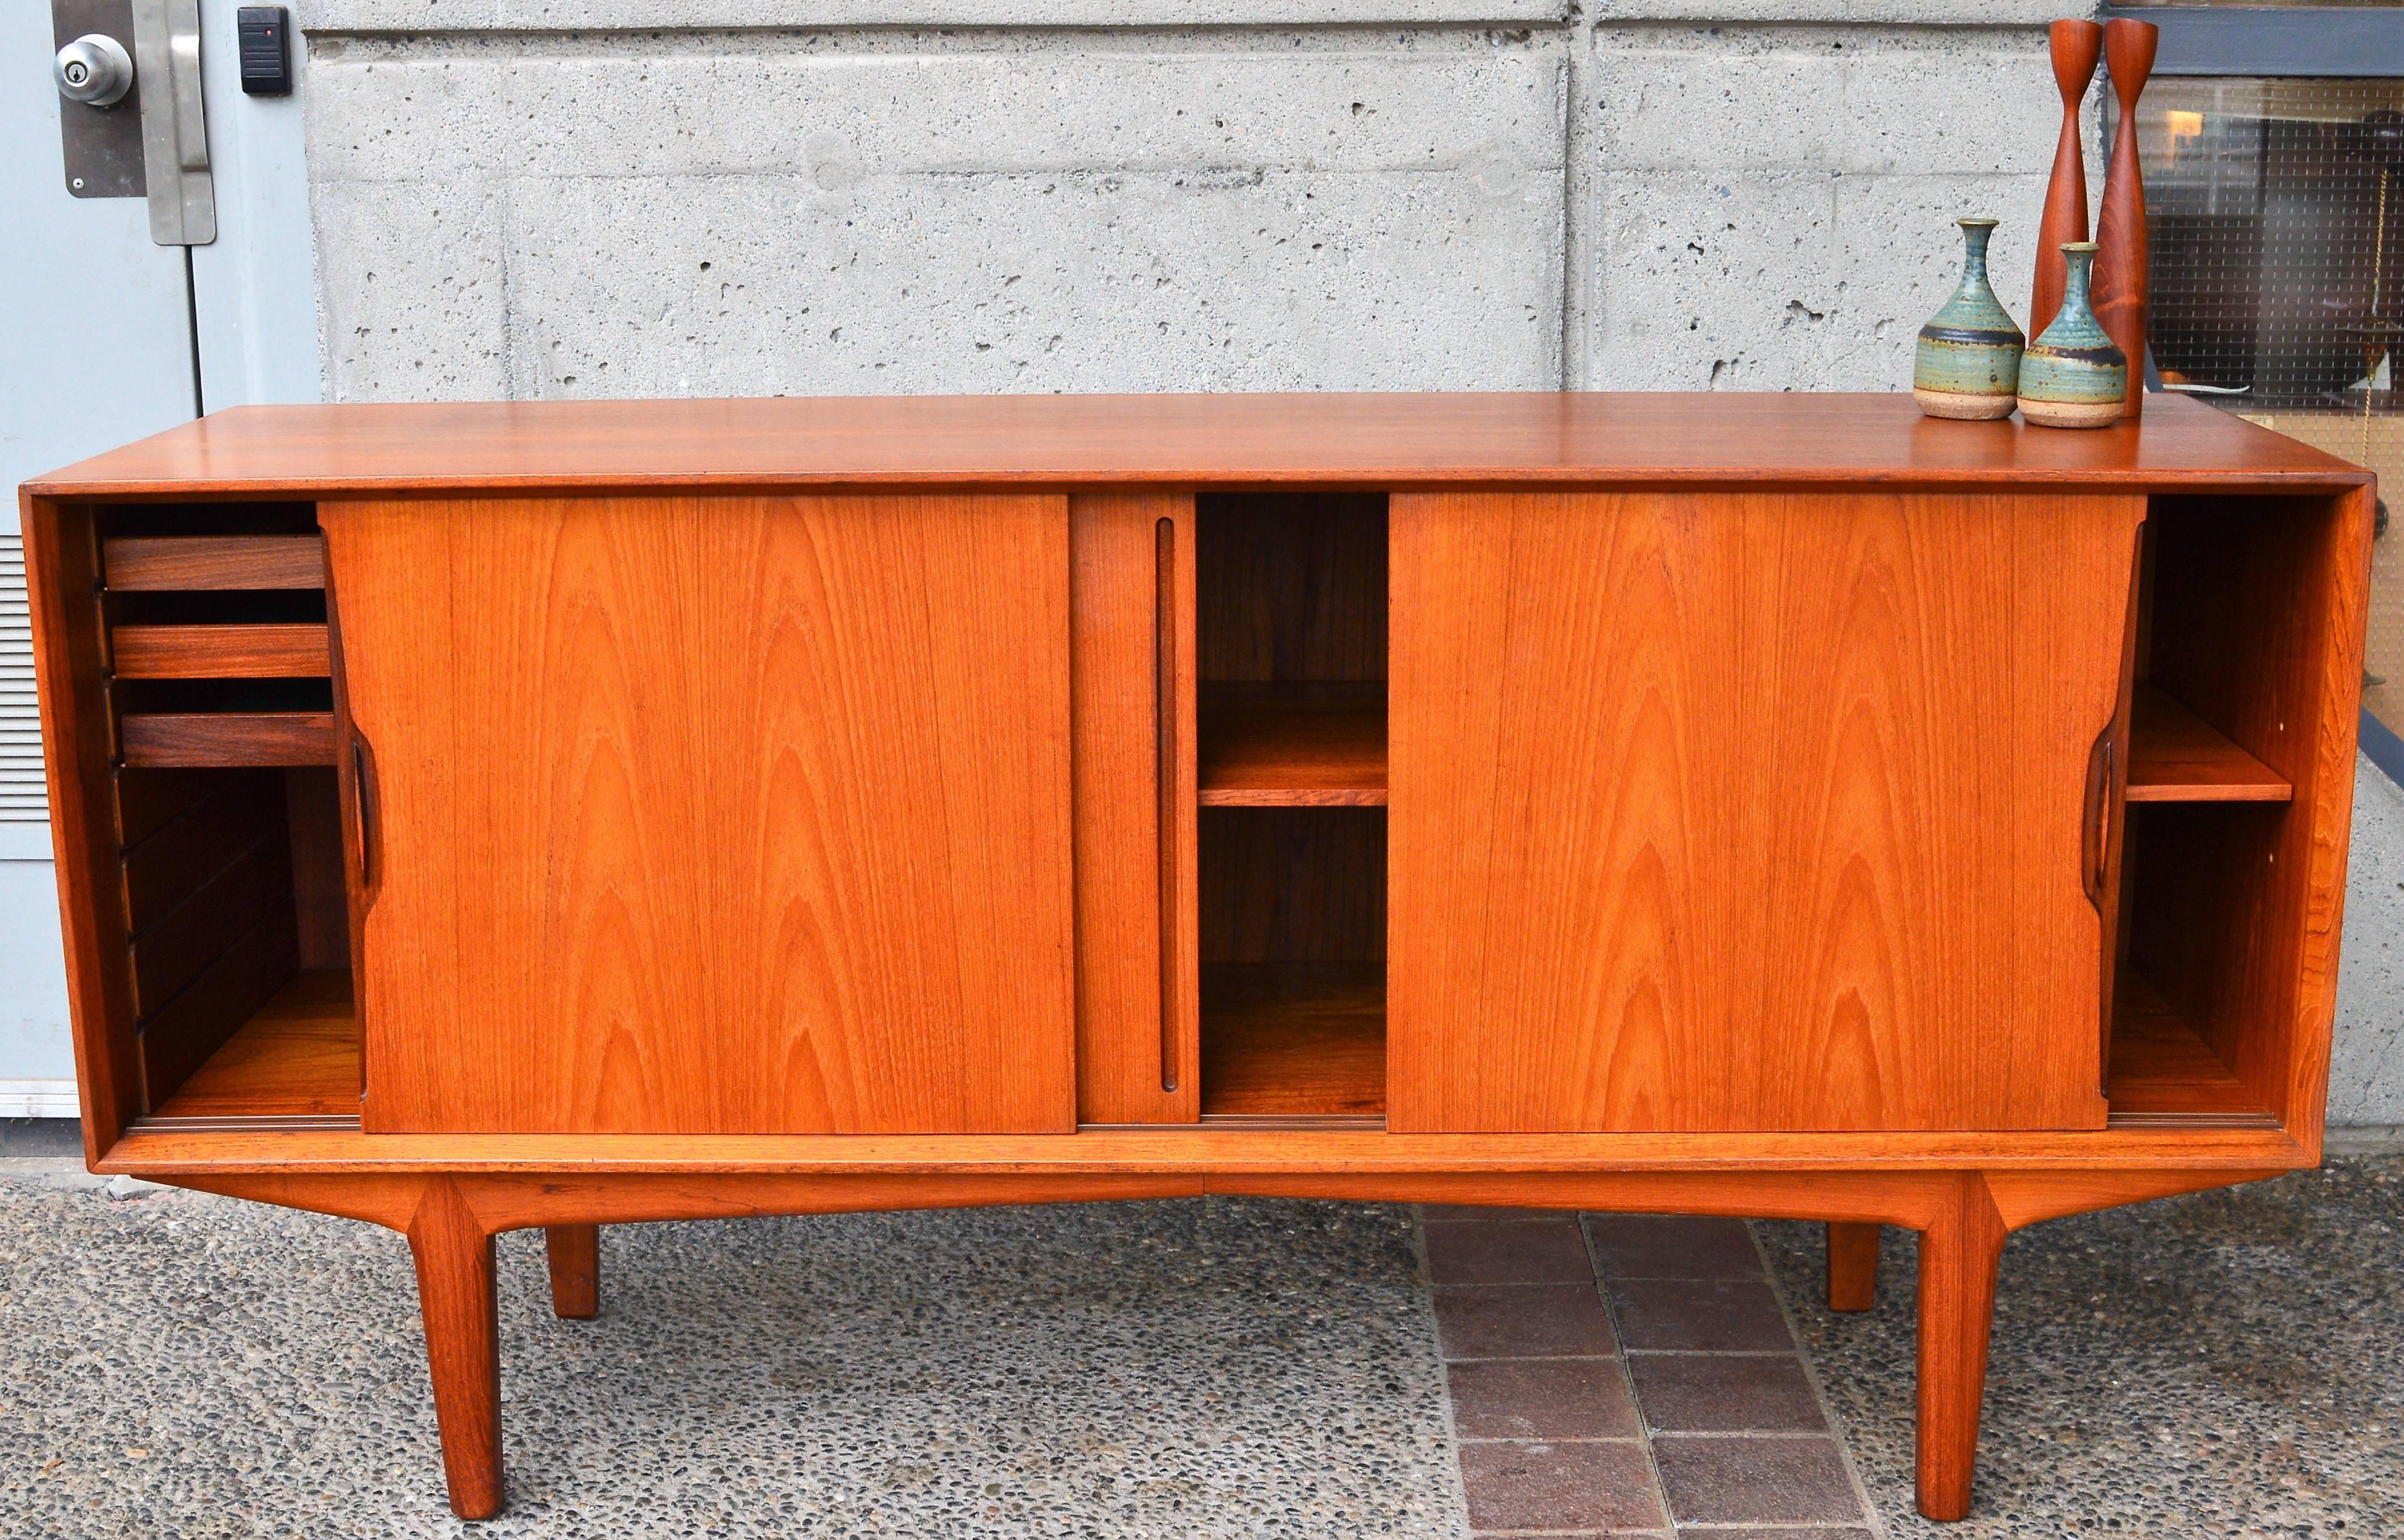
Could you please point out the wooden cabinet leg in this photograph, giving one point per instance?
(1852, 1265)
(575, 1270)
(455, 1295)
(1957, 1258)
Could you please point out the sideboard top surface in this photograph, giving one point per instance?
(1496, 439)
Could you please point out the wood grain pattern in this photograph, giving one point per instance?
(2108, 884)
(1797, 747)
(1292, 885)
(1174, 745)
(2333, 680)
(2074, 45)
(321, 906)
(1208, 1151)
(1852, 1265)
(149, 800)
(1913, 1200)
(218, 651)
(1293, 745)
(169, 955)
(1123, 935)
(299, 1057)
(1291, 586)
(1965, 1218)
(197, 843)
(2162, 1071)
(1810, 857)
(1375, 441)
(186, 1032)
(61, 572)
(2258, 617)
(1959, 1255)
(574, 1252)
(198, 740)
(2124, 261)
(512, 1203)
(453, 1252)
(2176, 756)
(207, 911)
(215, 562)
(783, 843)
(2031, 1198)
(1293, 1040)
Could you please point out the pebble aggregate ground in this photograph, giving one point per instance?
(2229, 1364)
(176, 1364)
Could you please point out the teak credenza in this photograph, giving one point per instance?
(486, 816)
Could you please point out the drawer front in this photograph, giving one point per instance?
(709, 815)
(1752, 811)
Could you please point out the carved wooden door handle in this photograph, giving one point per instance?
(364, 812)
(2097, 830)
(1163, 773)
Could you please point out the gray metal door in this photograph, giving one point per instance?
(107, 334)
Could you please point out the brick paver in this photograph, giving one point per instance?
(1616, 1375)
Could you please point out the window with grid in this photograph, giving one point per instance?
(2275, 209)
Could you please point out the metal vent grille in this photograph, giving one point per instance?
(22, 796)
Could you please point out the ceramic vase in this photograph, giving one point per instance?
(2073, 376)
(1968, 361)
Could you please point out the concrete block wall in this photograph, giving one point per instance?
(564, 198)
(1770, 208)
(2367, 1060)
(528, 199)
(865, 209)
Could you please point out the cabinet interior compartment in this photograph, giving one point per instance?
(227, 812)
(2239, 648)
(1294, 962)
(1291, 659)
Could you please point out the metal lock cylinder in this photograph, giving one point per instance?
(94, 69)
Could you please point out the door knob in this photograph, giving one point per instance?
(94, 69)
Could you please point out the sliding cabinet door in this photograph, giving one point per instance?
(1736, 811)
(1131, 628)
(710, 814)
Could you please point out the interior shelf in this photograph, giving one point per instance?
(2176, 756)
(1292, 745)
(235, 652)
(297, 1058)
(1293, 1040)
(200, 563)
(2163, 1072)
(170, 740)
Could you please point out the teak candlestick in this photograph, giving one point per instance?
(2120, 265)
(2077, 46)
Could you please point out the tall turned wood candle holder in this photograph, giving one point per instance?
(2077, 46)
(2121, 259)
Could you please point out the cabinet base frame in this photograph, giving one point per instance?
(450, 1217)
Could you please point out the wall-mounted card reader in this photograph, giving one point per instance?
(266, 58)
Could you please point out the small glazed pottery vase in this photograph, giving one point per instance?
(1968, 362)
(2072, 376)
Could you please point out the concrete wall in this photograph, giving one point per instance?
(2366, 1061)
(593, 198)
(565, 198)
